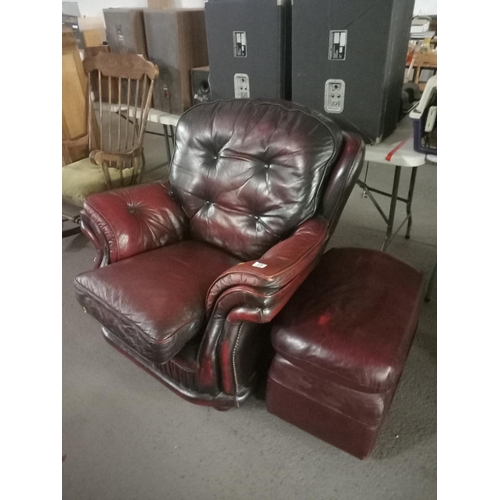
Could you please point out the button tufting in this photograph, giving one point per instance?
(256, 217)
(207, 203)
(131, 209)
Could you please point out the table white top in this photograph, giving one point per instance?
(397, 149)
(157, 116)
(154, 116)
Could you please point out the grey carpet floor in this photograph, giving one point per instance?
(126, 437)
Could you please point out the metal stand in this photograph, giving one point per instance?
(169, 133)
(431, 284)
(73, 230)
(389, 220)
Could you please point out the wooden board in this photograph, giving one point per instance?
(74, 96)
(92, 38)
(192, 46)
(73, 89)
(158, 4)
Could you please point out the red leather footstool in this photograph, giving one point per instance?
(341, 344)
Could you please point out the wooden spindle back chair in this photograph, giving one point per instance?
(126, 82)
(110, 154)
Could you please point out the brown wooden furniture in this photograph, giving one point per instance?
(423, 60)
(92, 38)
(161, 4)
(115, 153)
(94, 79)
(177, 42)
(74, 88)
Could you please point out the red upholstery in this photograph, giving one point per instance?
(278, 266)
(176, 283)
(155, 302)
(374, 302)
(246, 295)
(137, 219)
(341, 345)
(249, 175)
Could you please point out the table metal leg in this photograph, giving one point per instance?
(172, 137)
(392, 210)
(365, 186)
(431, 284)
(168, 132)
(409, 202)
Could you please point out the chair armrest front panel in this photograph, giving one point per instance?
(244, 298)
(125, 222)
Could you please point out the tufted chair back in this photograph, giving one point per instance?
(249, 172)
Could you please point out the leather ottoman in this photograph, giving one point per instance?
(341, 344)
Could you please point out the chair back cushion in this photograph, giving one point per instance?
(247, 172)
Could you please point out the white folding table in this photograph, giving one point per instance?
(168, 120)
(396, 150)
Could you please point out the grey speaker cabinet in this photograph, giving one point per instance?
(125, 31)
(248, 48)
(177, 42)
(348, 61)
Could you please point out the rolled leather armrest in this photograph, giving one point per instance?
(280, 265)
(133, 220)
(248, 295)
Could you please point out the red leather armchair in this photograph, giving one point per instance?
(191, 271)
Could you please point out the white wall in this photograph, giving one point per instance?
(93, 8)
(425, 7)
(191, 4)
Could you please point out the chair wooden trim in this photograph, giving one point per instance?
(115, 65)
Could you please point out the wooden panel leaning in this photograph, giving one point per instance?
(74, 115)
(92, 38)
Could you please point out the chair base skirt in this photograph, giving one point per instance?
(220, 402)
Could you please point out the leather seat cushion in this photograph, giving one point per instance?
(81, 178)
(352, 321)
(154, 301)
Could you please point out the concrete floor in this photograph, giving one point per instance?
(127, 437)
